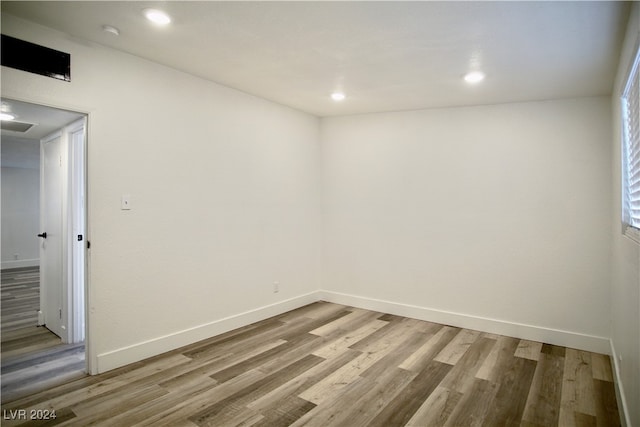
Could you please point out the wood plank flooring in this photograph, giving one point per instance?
(20, 298)
(331, 365)
(33, 358)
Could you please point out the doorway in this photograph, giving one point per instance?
(43, 247)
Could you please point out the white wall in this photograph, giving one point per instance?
(625, 301)
(494, 217)
(224, 189)
(20, 202)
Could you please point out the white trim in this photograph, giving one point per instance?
(20, 263)
(623, 408)
(140, 351)
(52, 136)
(632, 233)
(76, 220)
(511, 329)
(134, 353)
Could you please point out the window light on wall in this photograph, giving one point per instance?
(631, 151)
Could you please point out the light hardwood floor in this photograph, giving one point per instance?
(33, 358)
(331, 365)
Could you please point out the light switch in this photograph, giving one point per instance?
(126, 202)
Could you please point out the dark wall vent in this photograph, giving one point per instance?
(36, 59)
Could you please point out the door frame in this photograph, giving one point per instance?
(91, 365)
(77, 222)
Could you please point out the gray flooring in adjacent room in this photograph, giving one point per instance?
(33, 358)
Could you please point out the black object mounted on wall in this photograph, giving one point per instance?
(26, 56)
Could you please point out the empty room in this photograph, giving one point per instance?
(323, 213)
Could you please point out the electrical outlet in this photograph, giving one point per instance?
(125, 203)
(276, 287)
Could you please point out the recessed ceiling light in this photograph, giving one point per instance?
(474, 77)
(338, 96)
(157, 16)
(7, 117)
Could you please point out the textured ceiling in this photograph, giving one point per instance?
(386, 56)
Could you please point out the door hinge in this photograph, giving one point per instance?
(60, 160)
(60, 314)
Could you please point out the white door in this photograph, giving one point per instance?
(51, 247)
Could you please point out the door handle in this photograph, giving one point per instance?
(43, 235)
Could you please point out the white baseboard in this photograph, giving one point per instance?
(500, 327)
(623, 408)
(20, 263)
(134, 353)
